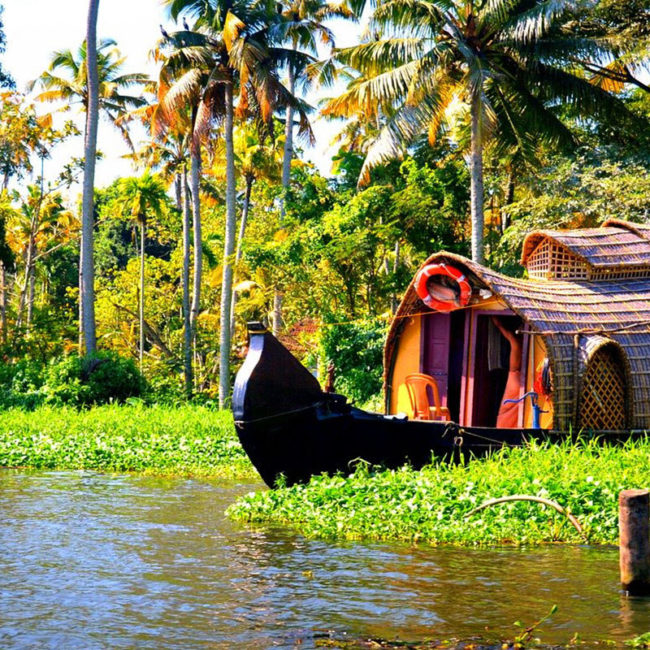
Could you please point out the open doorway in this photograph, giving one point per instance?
(492, 368)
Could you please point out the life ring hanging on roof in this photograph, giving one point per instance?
(431, 270)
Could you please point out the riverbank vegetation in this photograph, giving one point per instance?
(433, 506)
(466, 125)
(186, 440)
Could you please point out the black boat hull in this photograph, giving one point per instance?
(288, 426)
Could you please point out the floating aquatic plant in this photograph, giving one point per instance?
(432, 505)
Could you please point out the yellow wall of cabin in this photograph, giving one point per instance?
(408, 361)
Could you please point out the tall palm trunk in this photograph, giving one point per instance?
(3, 302)
(229, 246)
(508, 199)
(87, 289)
(30, 298)
(143, 228)
(187, 326)
(240, 239)
(178, 195)
(195, 172)
(286, 178)
(476, 176)
(396, 262)
(27, 292)
(288, 144)
(80, 311)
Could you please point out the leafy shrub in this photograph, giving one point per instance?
(101, 378)
(21, 384)
(356, 350)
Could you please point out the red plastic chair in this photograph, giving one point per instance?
(417, 385)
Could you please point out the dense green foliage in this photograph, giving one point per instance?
(356, 350)
(98, 379)
(334, 251)
(431, 505)
(187, 440)
(72, 380)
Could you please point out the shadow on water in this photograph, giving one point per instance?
(93, 560)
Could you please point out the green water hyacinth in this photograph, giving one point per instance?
(187, 440)
(431, 505)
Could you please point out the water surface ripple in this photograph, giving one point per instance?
(90, 560)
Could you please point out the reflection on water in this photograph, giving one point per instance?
(90, 560)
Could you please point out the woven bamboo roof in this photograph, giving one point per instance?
(641, 229)
(567, 314)
(618, 244)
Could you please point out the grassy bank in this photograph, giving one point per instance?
(186, 440)
(431, 505)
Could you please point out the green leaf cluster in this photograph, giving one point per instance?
(188, 440)
(356, 350)
(431, 506)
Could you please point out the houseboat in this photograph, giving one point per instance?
(473, 360)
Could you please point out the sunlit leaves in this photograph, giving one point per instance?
(432, 505)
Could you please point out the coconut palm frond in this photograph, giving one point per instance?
(198, 8)
(588, 100)
(186, 91)
(410, 14)
(232, 28)
(379, 56)
(399, 131)
(364, 95)
(560, 49)
(324, 73)
(533, 23)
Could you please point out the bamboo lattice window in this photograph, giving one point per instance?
(620, 273)
(550, 261)
(603, 396)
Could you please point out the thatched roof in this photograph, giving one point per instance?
(641, 229)
(573, 317)
(616, 245)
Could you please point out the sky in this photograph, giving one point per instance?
(34, 29)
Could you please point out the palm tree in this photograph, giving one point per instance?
(41, 222)
(92, 78)
(302, 28)
(255, 159)
(143, 197)
(86, 253)
(65, 81)
(500, 60)
(168, 151)
(7, 213)
(180, 109)
(227, 60)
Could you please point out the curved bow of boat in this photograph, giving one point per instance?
(284, 421)
(271, 381)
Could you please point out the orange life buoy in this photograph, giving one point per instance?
(448, 271)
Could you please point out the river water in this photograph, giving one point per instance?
(91, 560)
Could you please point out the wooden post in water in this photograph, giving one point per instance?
(634, 548)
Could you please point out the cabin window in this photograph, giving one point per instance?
(553, 261)
(604, 394)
